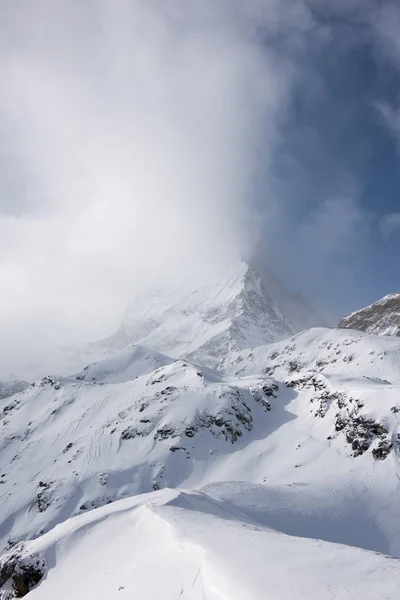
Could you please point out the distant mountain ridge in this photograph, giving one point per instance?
(380, 318)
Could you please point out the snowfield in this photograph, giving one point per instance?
(182, 544)
(143, 475)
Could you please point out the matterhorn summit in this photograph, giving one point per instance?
(204, 315)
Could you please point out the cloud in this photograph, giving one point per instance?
(131, 134)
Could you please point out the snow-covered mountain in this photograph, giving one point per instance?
(380, 318)
(204, 316)
(199, 315)
(300, 436)
(273, 472)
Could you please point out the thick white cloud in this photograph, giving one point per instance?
(130, 133)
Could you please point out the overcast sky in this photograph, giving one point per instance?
(139, 134)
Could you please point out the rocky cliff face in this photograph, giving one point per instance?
(380, 318)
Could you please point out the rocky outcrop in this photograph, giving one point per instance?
(20, 573)
(361, 432)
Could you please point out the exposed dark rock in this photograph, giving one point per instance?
(361, 432)
(164, 433)
(43, 499)
(25, 572)
(129, 433)
(190, 431)
(270, 389)
(55, 383)
(294, 366)
(383, 450)
(259, 396)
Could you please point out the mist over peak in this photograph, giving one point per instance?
(141, 140)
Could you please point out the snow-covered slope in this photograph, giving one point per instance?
(207, 315)
(380, 318)
(306, 431)
(123, 366)
(183, 544)
(70, 444)
(292, 448)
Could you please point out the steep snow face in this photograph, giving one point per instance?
(182, 544)
(209, 315)
(380, 318)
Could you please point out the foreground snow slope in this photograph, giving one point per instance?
(71, 444)
(173, 544)
(306, 431)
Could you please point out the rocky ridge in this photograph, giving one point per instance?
(380, 318)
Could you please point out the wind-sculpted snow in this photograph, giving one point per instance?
(179, 544)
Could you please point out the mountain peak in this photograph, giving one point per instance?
(203, 315)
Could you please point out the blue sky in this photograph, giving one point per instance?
(340, 146)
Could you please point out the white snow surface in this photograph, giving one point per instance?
(275, 476)
(182, 544)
